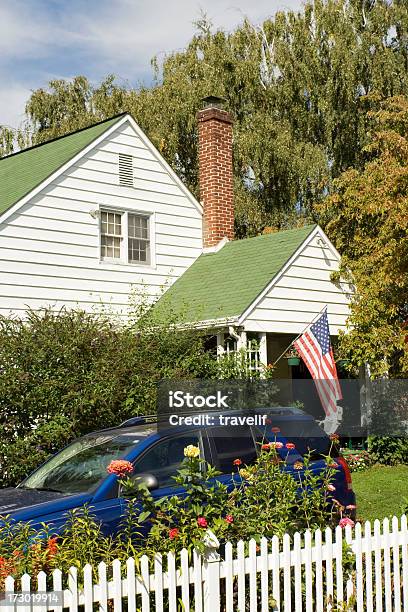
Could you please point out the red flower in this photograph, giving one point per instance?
(275, 430)
(52, 546)
(334, 437)
(120, 467)
(290, 446)
(173, 533)
(202, 522)
(229, 518)
(237, 462)
(346, 521)
(265, 447)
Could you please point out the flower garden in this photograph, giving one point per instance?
(264, 501)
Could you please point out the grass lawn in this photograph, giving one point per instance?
(380, 491)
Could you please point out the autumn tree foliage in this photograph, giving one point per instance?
(367, 218)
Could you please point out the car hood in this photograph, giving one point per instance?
(26, 504)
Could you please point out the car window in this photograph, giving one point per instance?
(165, 458)
(79, 467)
(230, 444)
(304, 433)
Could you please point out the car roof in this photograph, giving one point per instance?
(139, 424)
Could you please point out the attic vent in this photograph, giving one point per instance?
(125, 170)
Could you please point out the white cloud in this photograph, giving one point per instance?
(12, 101)
(44, 39)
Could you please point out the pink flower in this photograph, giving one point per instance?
(202, 522)
(290, 446)
(275, 430)
(229, 518)
(173, 533)
(351, 507)
(331, 487)
(278, 445)
(346, 521)
(120, 467)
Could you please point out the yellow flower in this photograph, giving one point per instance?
(191, 451)
(245, 474)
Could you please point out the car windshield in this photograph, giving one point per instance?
(82, 465)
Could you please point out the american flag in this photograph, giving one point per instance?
(315, 349)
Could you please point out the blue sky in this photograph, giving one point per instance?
(46, 39)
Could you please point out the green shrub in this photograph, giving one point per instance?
(63, 374)
(388, 450)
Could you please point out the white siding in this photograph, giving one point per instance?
(301, 292)
(49, 249)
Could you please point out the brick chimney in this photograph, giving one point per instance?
(215, 171)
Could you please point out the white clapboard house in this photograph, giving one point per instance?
(88, 219)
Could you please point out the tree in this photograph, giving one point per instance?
(367, 218)
(297, 86)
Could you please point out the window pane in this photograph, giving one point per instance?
(138, 226)
(164, 459)
(110, 246)
(138, 250)
(231, 445)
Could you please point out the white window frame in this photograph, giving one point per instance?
(124, 254)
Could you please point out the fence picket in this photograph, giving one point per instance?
(287, 595)
(328, 540)
(319, 571)
(88, 588)
(103, 589)
(368, 566)
(338, 550)
(145, 585)
(297, 561)
(117, 586)
(185, 580)
(387, 564)
(349, 585)
(172, 581)
(158, 582)
(229, 578)
(253, 604)
(359, 569)
(276, 571)
(41, 587)
(396, 565)
(308, 572)
(264, 576)
(241, 575)
(378, 563)
(25, 587)
(73, 589)
(404, 555)
(9, 588)
(198, 582)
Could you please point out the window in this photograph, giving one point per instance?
(164, 459)
(138, 238)
(111, 234)
(232, 444)
(125, 236)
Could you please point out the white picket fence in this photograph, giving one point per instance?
(303, 573)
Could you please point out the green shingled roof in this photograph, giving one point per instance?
(224, 284)
(22, 172)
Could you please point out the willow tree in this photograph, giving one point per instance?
(297, 86)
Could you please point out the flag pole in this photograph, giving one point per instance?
(298, 336)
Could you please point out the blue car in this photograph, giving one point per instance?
(77, 475)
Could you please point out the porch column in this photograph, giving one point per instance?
(263, 352)
(242, 340)
(220, 344)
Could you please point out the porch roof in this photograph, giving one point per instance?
(223, 284)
